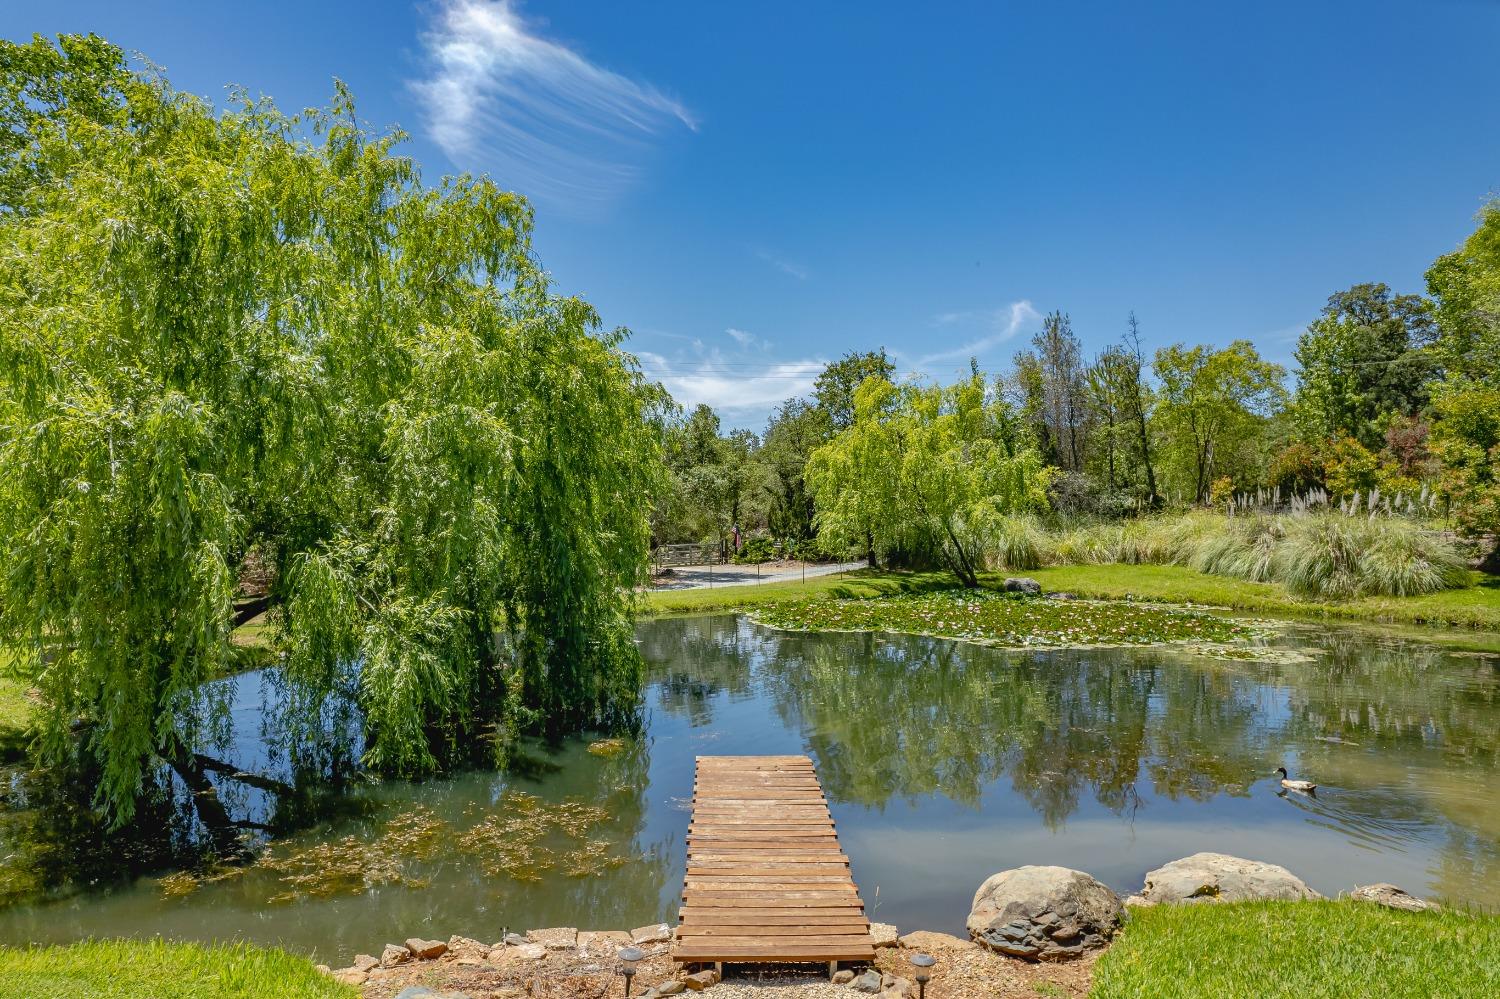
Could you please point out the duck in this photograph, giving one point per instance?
(1295, 785)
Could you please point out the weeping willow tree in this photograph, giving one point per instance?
(925, 468)
(236, 330)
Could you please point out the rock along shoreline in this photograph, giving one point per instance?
(1025, 924)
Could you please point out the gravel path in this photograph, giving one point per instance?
(701, 577)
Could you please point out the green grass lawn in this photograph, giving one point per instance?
(1299, 950)
(15, 713)
(1474, 607)
(117, 969)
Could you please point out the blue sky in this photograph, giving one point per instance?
(755, 189)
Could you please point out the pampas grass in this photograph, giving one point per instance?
(1020, 543)
(1315, 554)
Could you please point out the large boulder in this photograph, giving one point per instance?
(1022, 584)
(1218, 877)
(1044, 913)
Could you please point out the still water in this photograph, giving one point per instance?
(943, 763)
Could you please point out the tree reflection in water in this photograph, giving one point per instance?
(1403, 736)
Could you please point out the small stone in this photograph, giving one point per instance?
(868, 982)
(530, 951)
(555, 938)
(325, 969)
(365, 963)
(512, 940)
(928, 941)
(426, 949)
(655, 933)
(470, 962)
(1392, 897)
(415, 992)
(393, 955)
(700, 980)
(843, 977)
(350, 976)
(670, 987)
(884, 934)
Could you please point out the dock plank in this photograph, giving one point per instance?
(767, 880)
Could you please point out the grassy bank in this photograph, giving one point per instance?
(1306, 950)
(117, 969)
(15, 719)
(252, 650)
(1476, 606)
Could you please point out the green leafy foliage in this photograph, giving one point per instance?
(1213, 406)
(922, 468)
(1466, 431)
(1363, 362)
(246, 329)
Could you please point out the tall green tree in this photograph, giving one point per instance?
(833, 391)
(230, 330)
(1213, 405)
(924, 467)
(795, 430)
(1466, 404)
(1363, 363)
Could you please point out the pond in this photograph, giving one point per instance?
(943, 763)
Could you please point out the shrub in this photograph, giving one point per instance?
(1020, 543)
(755, 550)
(1404, 562)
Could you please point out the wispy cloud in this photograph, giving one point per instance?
(996, 326)
(740, 384)
(746, 339)
(791, 267)
(538, 116)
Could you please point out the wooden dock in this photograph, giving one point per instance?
(766, 878)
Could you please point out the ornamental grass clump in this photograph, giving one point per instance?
(1323, 555)
(1020, 543)
(1402, 560)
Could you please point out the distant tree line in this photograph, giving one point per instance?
(1395, 395)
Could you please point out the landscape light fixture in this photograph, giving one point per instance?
(923, 963)
(629, 958)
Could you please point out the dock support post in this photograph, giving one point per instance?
(833, 969)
